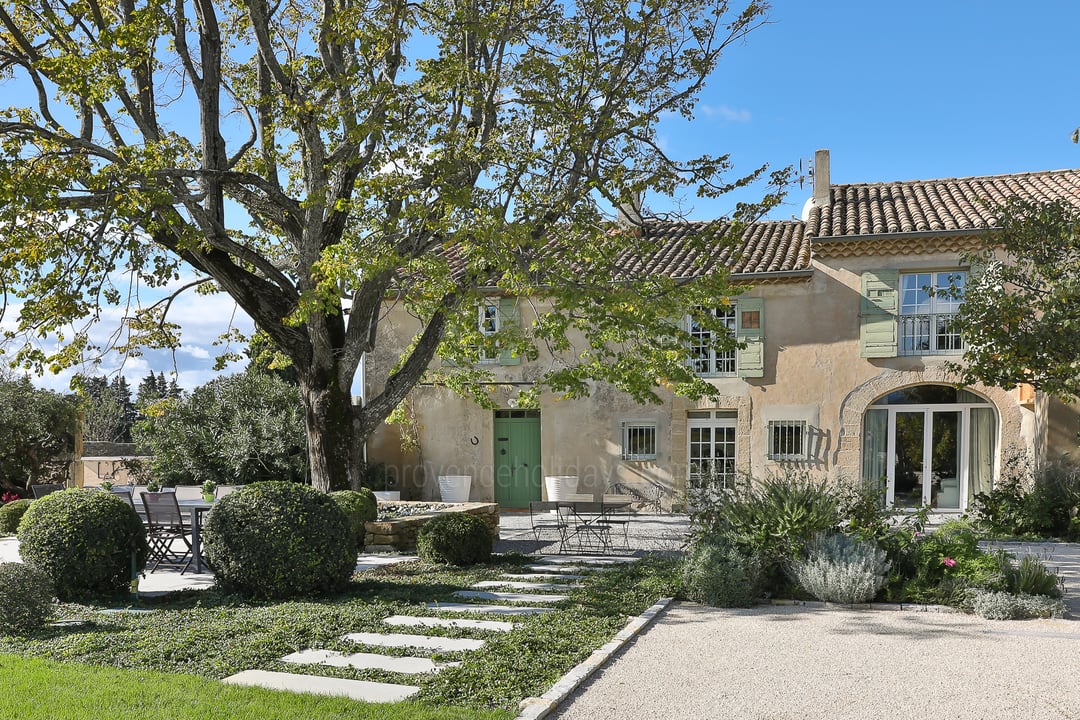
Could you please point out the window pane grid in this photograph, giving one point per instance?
(925, 326)
(712, 457)
(704, 359)
(787, 440)
(639, 441)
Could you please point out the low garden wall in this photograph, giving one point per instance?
(400, 533)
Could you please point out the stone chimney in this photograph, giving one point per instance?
(629, 212)
(821, 178)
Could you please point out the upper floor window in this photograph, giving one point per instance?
(704, 358)
(927, 311)
(489, 324)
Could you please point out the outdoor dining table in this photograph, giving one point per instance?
(196, 509)
(586, 525)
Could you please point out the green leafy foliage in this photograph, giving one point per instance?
(772, 519)
(405, 158)
(26, 598)
(1008, 606)
(455, 538)
(360, 507)
(1030, 334)
(279, 540)
(233, 430)
(1022, 503)
(88, 543)
(1030, 576)
(37, 431)
(841, 568)
(11, 514)
(716, 572)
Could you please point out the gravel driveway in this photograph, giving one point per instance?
(798, 663)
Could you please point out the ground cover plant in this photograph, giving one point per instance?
(838, 542)
(211, 635)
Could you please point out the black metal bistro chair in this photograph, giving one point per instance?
(166, 532)
(41, 491)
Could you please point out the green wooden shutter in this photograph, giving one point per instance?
(750, 329)
(509, 317)
(878, 312)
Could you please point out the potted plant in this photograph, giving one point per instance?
(106, 485)
(153, 485)
(209, 488)
(376, 479)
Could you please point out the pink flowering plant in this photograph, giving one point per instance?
(8, 497)
(948, 561)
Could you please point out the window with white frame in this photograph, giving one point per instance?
(787, 440)
(927, 311)
(639, 440)
(489, 323)
(711, 449)
(704, 358)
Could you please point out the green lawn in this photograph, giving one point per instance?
(199, 637)
(37, 689)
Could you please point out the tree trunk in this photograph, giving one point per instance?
(334, 450)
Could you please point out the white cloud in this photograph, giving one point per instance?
(724, 112)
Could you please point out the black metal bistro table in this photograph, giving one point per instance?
(587, 525)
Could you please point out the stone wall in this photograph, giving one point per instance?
(399, 534)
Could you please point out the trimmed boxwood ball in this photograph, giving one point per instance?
(83, 541)
(10, 515)
(455, 538)
(272, 540)
(360, 506)
(26, 598)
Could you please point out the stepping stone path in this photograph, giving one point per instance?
(510, 596)
(521, 585)
(410, 621)
(561, 567)
(424, 642)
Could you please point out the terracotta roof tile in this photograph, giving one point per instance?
(914, 206)
(763, 247)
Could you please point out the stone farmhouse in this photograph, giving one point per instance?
(843, 373)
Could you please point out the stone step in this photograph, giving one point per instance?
(469, 623)
(510, 596)
(585, 559)
(364, 661)
(424, 642)
(371, 561)
(519, 585)
(568, 570)
(488, 609)
(362, 690)
(544, 576)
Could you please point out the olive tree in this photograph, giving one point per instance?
(314, 159)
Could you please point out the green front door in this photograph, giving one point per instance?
(517, 457)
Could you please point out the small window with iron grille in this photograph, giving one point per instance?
(787, 440)
(639, 441)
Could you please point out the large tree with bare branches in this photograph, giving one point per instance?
(312, 159)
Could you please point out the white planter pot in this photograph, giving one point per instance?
(455, 488)
(560, 487)
(388, 495)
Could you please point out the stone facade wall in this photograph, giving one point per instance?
(400, 533)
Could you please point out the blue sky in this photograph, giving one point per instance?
(918, 89)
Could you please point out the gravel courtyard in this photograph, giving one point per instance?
(798, 663)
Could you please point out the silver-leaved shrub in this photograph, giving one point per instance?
(841, 569)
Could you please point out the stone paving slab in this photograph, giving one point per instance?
(425, 642)
(488, 609)
(468, 623)
(568, 570)
(585, 559)
(363, 661)
(544, 575)
(362, 690)
(510, 596)
(520, 585)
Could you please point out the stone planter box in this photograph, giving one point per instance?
(399, 534)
